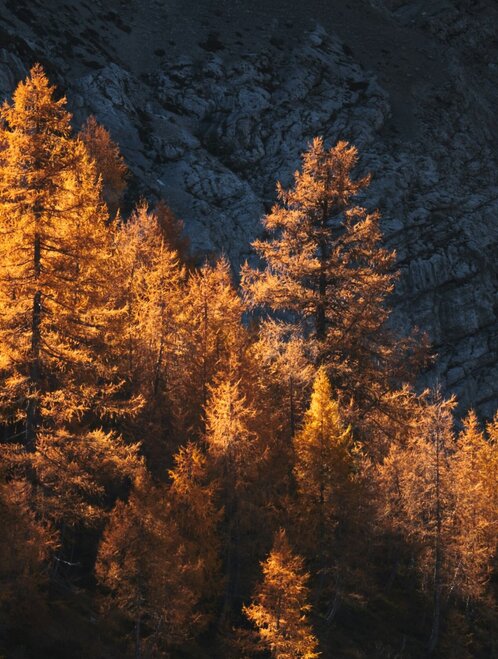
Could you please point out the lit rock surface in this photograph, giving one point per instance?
(212, 103)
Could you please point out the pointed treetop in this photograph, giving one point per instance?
(34, 107)
(324, 409)
(280, 605)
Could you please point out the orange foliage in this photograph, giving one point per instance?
(280, 605)
(327, 274)
(109, 163)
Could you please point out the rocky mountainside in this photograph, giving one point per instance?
(211, 101)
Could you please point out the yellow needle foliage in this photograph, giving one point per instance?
(327, 276)
(280, 608)
(59, 383)
(149, 433)
(192, 499)
(54, 256)
(150, 288)
(109, 163)
(146, 565)
(474, 467)
(323, 446)
(214, 337)
(324, 466)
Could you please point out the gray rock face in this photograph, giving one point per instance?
(212, 104)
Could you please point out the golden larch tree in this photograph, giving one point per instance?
(25, 548)
(150, 286)
(280, 605)
(280, 361)
(324, 455)
(416, 479)
(328, 492)
(214, 336)
(192, 498)
(489, 473)
(60, 388)
(231, 447)
(327, 276)
(476, 508)
(149, 575)
(150, 278)
(109, 163)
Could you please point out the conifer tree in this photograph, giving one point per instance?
(476, 508)
(417, 480)
(215, 336)
(280, 607)
(25, 547)
(192, 498)
(150, 284)
(231, 446)
(151, 291)
(324, 460)
(36, 156)
(150, 577)
(327, 276)
(228, 416)
(489, 472)
(280, 359)
(109, 163)
(327, 492)
(60, 389)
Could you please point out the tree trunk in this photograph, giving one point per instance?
(436, 614)
(322, 295)
(232, 544)
(32, 411)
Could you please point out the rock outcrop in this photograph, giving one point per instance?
(211, 104)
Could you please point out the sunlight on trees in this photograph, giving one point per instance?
(156, 435)
(280, 605)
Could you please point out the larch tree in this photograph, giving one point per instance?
(215, 336)
(489, 473)
(60, 390)
(279, 357)
(25, 547)
(489, 478)
(192, 498)
(324, 453)
(109, 163)
(327, 276)
(150, 285)
(417, 480)
(275, 373)
(280, 605)
(37, 156)
(231, 446)
(327, 494)
(476, 508)
(145, 567)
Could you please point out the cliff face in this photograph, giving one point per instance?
(214, 102)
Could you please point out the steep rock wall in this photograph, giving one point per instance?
(211, 103)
